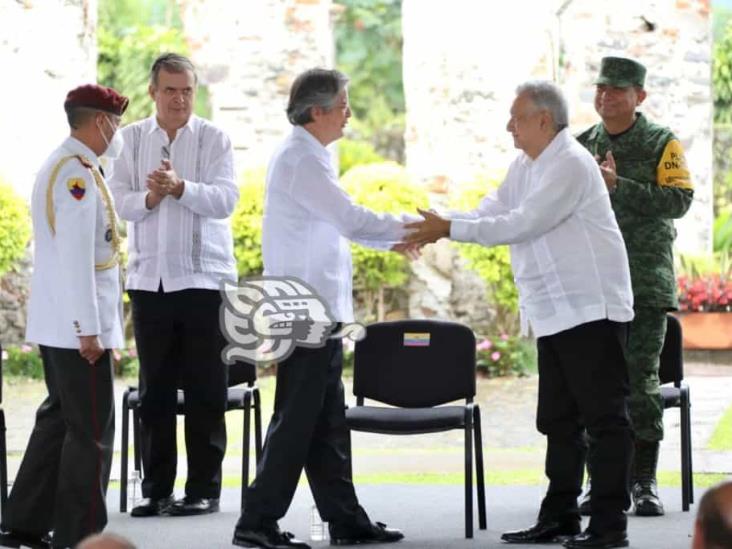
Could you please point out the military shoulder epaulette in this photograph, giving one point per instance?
(84, 161)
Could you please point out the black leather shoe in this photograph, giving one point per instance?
(546, 531)
(645, 499)
(150, 507)
(267, 538)
(590, 539)
(194, 506)
(13, 538)
(374, 533)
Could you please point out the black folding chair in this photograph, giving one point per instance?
(243, 394)
(677, 396)
(3, 448)
(416, 366)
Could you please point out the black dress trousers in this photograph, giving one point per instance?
(583, 382)
(63, 478)
(307, 432)
(179, 344)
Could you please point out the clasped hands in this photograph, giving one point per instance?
(163, 182)
(430, 229)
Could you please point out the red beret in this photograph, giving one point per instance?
(94, 96)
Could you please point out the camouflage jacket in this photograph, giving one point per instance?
(653, 188)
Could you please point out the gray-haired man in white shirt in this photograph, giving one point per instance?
(571, 270)
(308, 222)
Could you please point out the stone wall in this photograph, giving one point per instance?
(463, 60)
(248, 53)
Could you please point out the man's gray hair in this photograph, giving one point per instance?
(547, 96)
(171, 62)
(314, 88)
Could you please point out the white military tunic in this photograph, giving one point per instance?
(75, 286)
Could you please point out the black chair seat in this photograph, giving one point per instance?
(405, 421)
(234, 398)
(671, 397)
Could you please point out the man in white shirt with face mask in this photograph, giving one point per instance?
(175, 186)
(74, 315)
(571, 270)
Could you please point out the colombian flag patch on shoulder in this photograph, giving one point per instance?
(76, 187)
(672, 170)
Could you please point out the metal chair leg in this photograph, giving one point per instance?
(479, 470)
(257, 423)
(123, 453)
(3, 466)
(245, 445)
(468, 472)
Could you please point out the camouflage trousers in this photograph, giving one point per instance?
(645, 340)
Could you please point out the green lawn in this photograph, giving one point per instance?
(722, 437)
(527, 477)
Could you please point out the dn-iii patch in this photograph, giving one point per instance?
(672, 170)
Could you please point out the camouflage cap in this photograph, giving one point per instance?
(621, 72)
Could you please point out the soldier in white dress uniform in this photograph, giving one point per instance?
(74, 315)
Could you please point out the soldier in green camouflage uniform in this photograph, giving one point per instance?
(645, 171)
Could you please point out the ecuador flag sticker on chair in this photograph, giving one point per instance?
(416, 339)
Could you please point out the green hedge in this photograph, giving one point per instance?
(493, 265)
(15, 227)
(246, 224)
(382, 187)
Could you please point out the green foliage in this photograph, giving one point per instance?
(246, 224)
(383, 187)
(15, 227)
(126, 362)
(369, 50)
(722, 77)
(723, 232)
(22, 361)
(493, 265)
(506, 356)
(356, 153)
(130, 35)
(722, 168)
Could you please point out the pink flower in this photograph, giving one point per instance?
(504, 337)
(132, 353)
(25, 348)
(485, 345)
(495, 356)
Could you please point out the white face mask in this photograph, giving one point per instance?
(115, 146)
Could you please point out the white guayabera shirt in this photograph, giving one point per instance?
(309, 220)
(186, 242)
(567, 253)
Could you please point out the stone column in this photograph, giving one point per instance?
(464, 58)
(46, 48)
(674, 41)
(248, 53)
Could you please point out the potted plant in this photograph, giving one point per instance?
(705, 302)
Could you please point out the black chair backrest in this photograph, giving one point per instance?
(415, 363)
(242, 372)
(671, 369)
